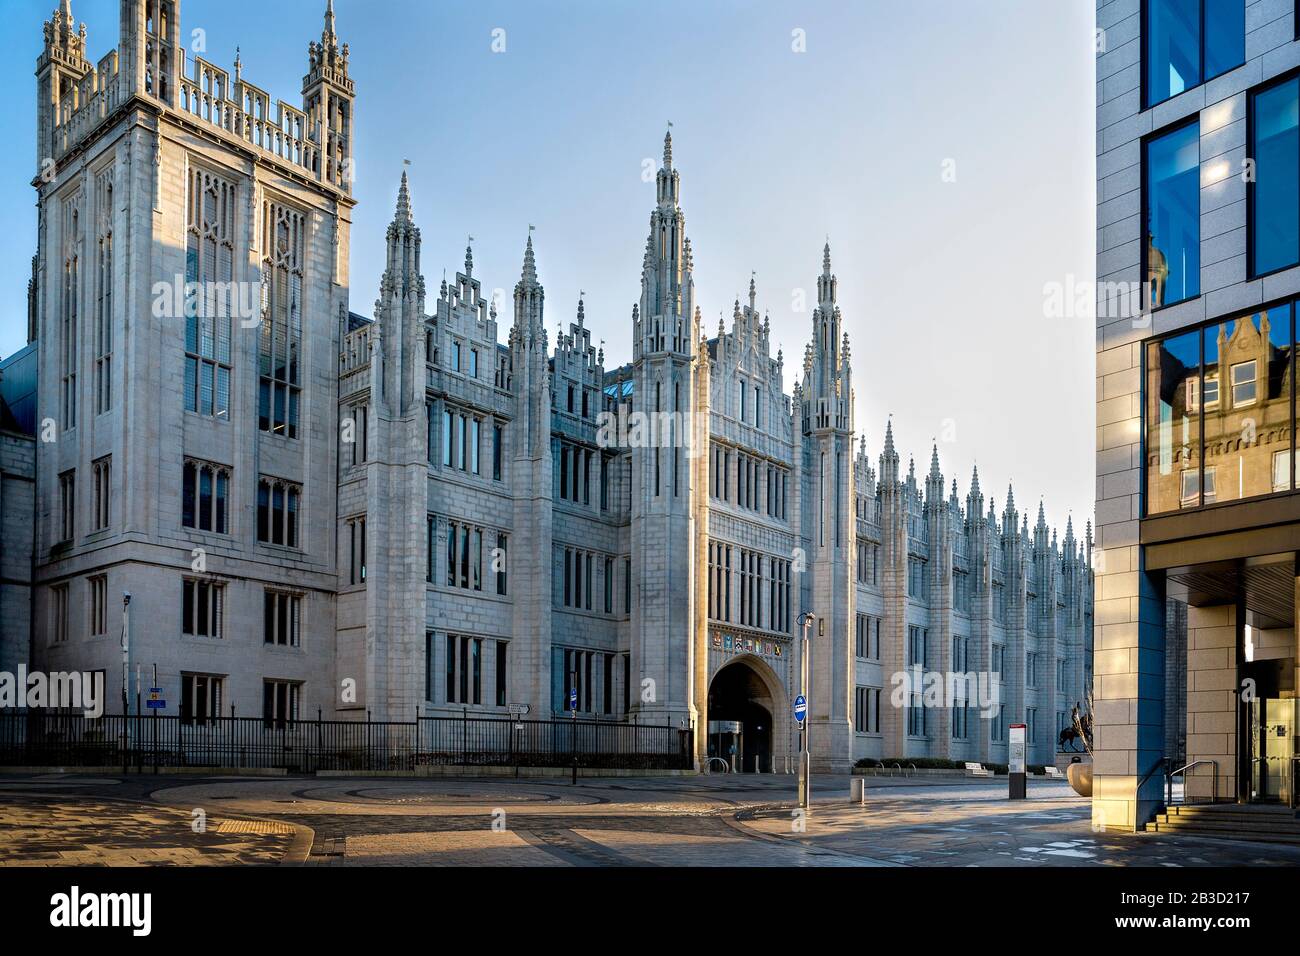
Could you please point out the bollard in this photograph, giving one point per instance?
(858, 790)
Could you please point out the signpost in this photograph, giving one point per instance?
(156, 701)
(1016, 762)
(800, 714)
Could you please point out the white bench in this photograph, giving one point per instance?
(1052, 773)
(977, 770)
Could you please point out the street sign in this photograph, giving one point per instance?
(800, 708)
(154, 703)
(573, 698)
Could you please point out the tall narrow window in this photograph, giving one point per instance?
(498, 451)
(279, 387)
(1275, 190)
(277, 512)
(67, 505)
(205, 490)
(102, 469)
(209, 276)
(70, 324)
(1172, 253)
(281, 614)
(202, 607)
(98, 605)
(104, 277)
(502, 648)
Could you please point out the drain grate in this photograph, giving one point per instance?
(260, 827)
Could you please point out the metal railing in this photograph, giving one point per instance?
(1169, 781)
(306, 746)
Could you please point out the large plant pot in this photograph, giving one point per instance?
(1080, 777)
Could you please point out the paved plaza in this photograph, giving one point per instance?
(743, 820)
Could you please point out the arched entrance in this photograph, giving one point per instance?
(741, 714)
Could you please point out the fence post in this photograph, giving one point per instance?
(464, 736)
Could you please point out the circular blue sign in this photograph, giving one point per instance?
(800, 707)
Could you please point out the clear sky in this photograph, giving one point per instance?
(946, 147)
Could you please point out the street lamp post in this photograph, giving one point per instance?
(805, 621)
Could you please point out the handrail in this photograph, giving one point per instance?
(1169, 781)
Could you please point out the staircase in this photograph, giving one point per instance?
(1231, 821)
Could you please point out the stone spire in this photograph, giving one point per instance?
(469, 261)
(668, 149)
(404, 212)
(529, 298)
(934, 461)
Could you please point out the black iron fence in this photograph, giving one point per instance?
(29, 738)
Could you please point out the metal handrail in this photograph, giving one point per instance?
(1169, 781)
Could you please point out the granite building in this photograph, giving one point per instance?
(424, 512)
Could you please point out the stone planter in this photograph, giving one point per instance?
(1080, 777)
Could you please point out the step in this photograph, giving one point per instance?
(1284, 825)
(1228, 833)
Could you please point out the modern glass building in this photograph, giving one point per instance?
(1198, 219)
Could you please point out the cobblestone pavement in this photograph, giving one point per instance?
(741, 820)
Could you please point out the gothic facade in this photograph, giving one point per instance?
(419, 512)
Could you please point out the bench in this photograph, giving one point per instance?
(1053, 773)
(977, 770)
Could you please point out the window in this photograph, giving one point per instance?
(999, 658)
(201, 697)
(70, 323)
(98, 605)
(59, 616)
(1282, 469)
(1253, 355)
(1274, 192)
(997, 732)
(627, 588)
(209, 277)
(473, 363)
(502, 648)
(1172, 257)
(357, 550)
(102, 472)
(500, 560)
(464, 669)
(67, 505)
(446, 439)
(1031, 725)
(360, 433)
(465, 556)
(609, 585)
(498, 437)
(916, 583)
(280, 700)
(866, 710)
(104, 278)
(1031, 669)
(1243, 384)
(277, 512)
(455, 355)
(1172, 422)
(202, 604)
(205, 490)
(279, 383)
(1189, 42)
(281, 616)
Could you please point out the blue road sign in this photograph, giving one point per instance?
(573, 698)
(155, 704)
(800, 708)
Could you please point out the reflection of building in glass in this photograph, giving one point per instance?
(1218, 412)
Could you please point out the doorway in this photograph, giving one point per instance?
(736, 702)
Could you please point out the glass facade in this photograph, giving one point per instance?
(1173, 215)
(1191, 41)
(1218, 413)
(1275, 193)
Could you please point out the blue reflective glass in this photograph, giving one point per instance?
(1275, 205)
(1173, 35)
(1225, 36)
(1173, 253)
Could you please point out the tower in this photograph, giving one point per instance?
(664, 639)
(396, 479)
(531, 480)
(327, 99)
(830, 593)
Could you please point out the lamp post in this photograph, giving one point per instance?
(805, 621)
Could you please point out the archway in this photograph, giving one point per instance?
(740, 694)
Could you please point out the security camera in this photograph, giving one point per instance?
(126, 598)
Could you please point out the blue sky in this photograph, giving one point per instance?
(941, 279)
